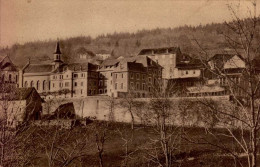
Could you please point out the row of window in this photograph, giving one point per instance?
(133, 86)
(82, 75)
(188, 72)
(9, 78)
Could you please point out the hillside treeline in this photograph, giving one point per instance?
(124, 44)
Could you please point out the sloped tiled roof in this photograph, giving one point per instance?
(222, 57)
(77, 67)
(36, 68)
(7, 65)
(21, 93)
(191, 64)
(135, 67)
(109, 62)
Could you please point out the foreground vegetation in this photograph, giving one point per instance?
(122, 146)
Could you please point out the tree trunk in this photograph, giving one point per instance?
(254, 148)
(100, 159)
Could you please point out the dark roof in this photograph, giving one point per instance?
(77, 67)
(21, 93)
(136, 67)
(160, 50)
(224, 57)
(190, 64)
(7, 65)
(109, 62)
(57, 51)
(35, 68)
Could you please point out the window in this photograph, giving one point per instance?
(132, 76)
(67, 76)
(137, 76)
(81, 91)
(100, 75)
(43, 85)
(75, 84)
(122, 86)
(37, 85)
(61, 76)
(32, 84)
(115, 86)
(75, 75)
(82, 75)
(150, 79)
(25, 84)
(143, 86)
(149, 89)
(194, 72)
(116, 75)
(105, 83)
(100, 91)
(100, 83)
(137, 86)
(67, 84)
(82, 83)
(187, 72)
(53, 85)
(122, 75)
(132, 85)
(10, 77)
(143, 76)
(53, 77)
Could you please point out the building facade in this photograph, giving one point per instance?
(21, 105)
(58, 79)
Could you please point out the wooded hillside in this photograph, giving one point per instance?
(124, 44)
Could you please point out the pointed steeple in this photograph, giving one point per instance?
(57, 51)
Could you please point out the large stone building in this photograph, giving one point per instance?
(58, 79)
(179, 70)
(137, 75)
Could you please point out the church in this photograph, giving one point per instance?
(59, 79)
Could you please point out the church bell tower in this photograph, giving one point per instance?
(57, 56)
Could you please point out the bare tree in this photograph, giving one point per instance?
(241, 117)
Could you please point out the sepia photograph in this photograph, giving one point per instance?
(129, 83)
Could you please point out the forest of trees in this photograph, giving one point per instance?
(125, 44)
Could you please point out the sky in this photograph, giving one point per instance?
(32, 20)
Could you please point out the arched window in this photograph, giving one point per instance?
(49, 85)
(32, 84)
(37, 85)
(10, 77)
(43, 85)
(25, 84)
